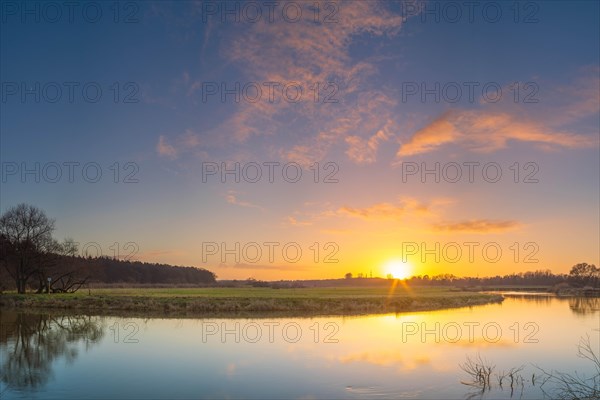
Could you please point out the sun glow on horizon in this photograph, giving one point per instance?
(398, 269)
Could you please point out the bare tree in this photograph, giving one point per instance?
(26, 236)
(56, 271)
(585, 274)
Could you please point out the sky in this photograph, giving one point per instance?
(297, 139)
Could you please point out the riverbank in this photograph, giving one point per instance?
(251, 301)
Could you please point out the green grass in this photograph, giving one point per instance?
(202, 301)
(253, 292)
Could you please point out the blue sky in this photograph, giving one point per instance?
(166, 59)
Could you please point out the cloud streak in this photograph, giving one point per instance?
(232, 198)
(383, 211)
(164, 149)
(186, 142)
(483, 131)
(494, 126)
(478, 226)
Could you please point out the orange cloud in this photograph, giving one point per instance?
(232, 198)
(358, 115)
(478, 226)
(376, 211)
(493, 126)
(364, 151)
(164, 149)
(487, 131)
(294, 221)
(385, 211)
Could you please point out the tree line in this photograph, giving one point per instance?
(33, 259)
(580, 275)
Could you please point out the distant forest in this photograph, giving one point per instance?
(101, 271)
(110, 270)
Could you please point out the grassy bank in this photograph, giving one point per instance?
(222, 301)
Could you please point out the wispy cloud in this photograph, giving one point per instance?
(295, 222)
(386, 211)
(478, 226)
(308, 53)
(164, 149)
(577, 100)
(484, 131)
(232, 198)
(493, 126)
(383, 211)
(183, 143)
(364, 151)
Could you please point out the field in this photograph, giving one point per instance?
(252, 301)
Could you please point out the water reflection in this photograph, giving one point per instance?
(414, 354)
(31, 343)
(542, 299)
(584, 305)
(579, 305)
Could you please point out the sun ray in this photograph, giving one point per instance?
(398, 269)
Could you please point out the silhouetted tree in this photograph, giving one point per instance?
(58, 271)
(26, 238)
(583, 274)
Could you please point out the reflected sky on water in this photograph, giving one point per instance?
(409, 355)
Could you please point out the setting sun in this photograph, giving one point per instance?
(398, 269)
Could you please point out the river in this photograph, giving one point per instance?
(408, 355)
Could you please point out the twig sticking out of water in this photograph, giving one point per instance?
(566, 386)
(480, 372)
(575, 386)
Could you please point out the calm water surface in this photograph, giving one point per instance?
(411, 355)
